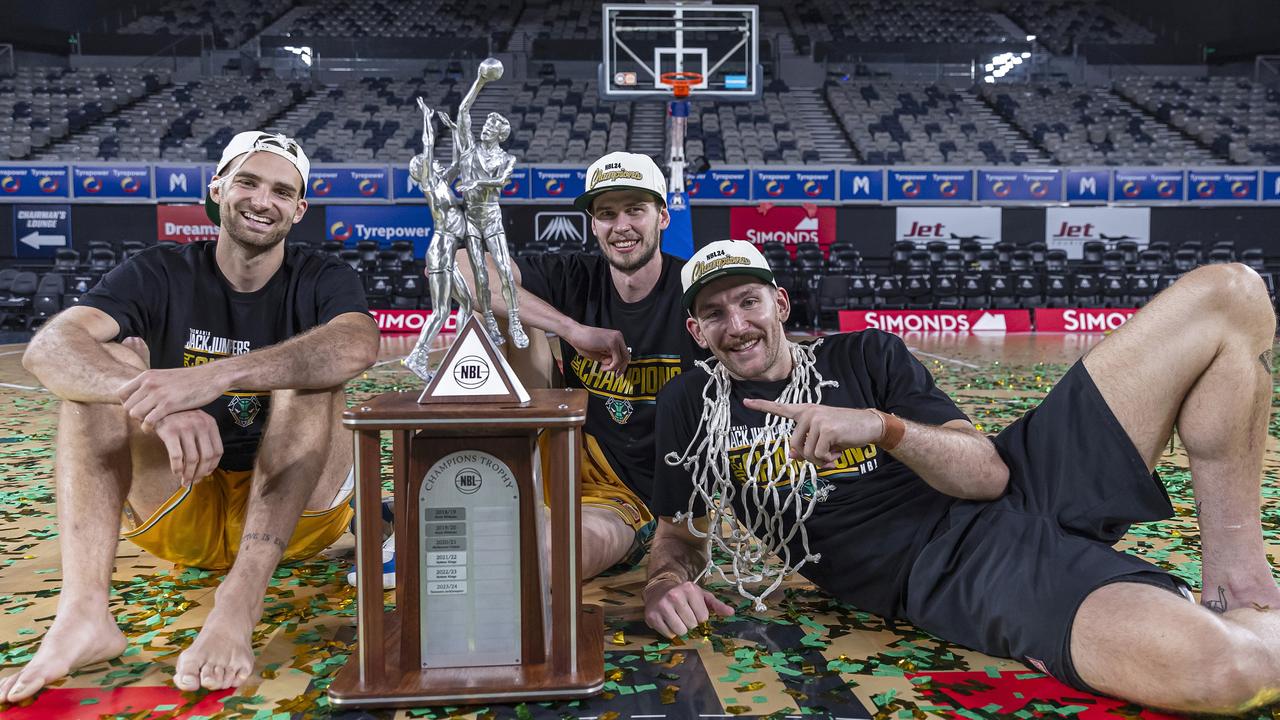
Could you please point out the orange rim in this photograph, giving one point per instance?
(680, 82)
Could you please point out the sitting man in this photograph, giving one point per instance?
(890, 499)
(230, 452)
(617, 314)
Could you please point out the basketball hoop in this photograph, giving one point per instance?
(680, 82)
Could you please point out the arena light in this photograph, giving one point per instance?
(1031, 38)
(303, 53)
(1026, 55)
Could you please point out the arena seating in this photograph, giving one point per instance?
(190, 121)
(897, 122)
(790, 127)
(1079, 125)
(402, 18)
(230, 22)
(928, 21)
(1238, 118)
(1061, 24)
(42, 105)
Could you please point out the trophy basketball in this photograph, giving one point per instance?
(480, 615)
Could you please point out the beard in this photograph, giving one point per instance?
(635, 260)
(247, 236)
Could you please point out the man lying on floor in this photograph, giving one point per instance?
(845, 459)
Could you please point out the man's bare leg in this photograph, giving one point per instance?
(93, 476)
(1199, 356)
(606, 539)
(304, 458)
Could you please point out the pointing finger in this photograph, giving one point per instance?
(786, 410)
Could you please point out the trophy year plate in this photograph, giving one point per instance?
(477, 616)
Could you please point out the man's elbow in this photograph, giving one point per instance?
(367, 348)
(994, 482)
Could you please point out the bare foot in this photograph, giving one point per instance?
(73, 641)
(221, 656)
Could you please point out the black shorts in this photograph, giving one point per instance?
(1006, 577)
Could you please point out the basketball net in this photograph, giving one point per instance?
(773, 488)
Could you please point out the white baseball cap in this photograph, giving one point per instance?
(253, 141)
(721, 259)
(622, 171)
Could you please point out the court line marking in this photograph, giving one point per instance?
(944, 358)
(23, 387)
(12, 352)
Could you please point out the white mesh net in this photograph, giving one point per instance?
(773, 488)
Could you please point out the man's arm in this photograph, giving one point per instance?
(954, 458)
(604, 345)
(673, 603)
(69, 357)
(323, 357)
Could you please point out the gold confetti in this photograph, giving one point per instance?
(619, 638)
(750, 687)
(738, 709)
(615, 675)
(609, 715)
(668, 694)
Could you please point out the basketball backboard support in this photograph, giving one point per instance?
(641, 42)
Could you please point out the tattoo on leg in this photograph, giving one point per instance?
(264, 537)
(1265, 358)
(1219, 605)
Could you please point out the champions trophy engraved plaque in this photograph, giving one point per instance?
(481, 615)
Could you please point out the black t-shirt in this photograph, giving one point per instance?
(620, 410)
(177, 300)
(878, 513)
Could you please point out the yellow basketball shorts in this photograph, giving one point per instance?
(200, 526)
(601, 486)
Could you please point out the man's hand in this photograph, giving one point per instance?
(156, 394)
(674, 608)
(191, 437)
(822, 433)
(603, 345)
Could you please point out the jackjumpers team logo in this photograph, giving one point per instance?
(742, 460)
(244, 409)
(645, 376)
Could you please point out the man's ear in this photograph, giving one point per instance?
(692, 326)
(215, 188)
(784, 304)
(302, 210)
(664, 218)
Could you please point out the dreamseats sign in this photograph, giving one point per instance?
(184, 224)
(954, 225)
(1069, 228)
(380, 223)
(791, 225)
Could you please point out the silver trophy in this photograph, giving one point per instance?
(484, 169)
(444, 278)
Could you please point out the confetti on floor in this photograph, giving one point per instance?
(808, 656)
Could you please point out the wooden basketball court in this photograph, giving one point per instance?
(808, 656)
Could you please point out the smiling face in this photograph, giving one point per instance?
(628, 225)
(260, 201)
(739, 319)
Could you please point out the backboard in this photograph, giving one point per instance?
(643, 41)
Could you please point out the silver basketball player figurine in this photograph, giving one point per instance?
(444, 278)
(484, 169)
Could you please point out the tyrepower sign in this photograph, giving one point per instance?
(954, 225)
(184, 223)
(404, 322)
(1083, 320)
(1069, 228)
(791, 225)
(900, 322)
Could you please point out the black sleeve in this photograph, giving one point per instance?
(134, 293)
(904, 386)
(561, 279)
(338, 291)
(679, 409)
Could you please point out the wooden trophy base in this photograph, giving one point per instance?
(412, 687)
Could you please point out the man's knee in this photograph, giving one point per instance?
(1235, 292)
(1235, 670)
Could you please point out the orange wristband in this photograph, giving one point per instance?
(893, 431)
